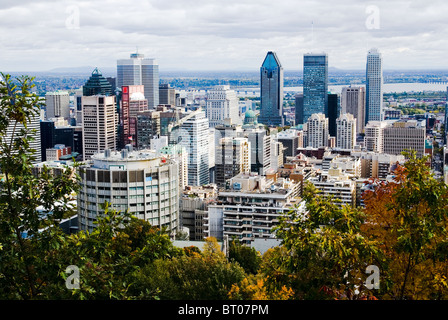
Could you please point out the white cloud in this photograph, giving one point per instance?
(212, 34)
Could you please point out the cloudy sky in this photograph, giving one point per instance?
(40, 35)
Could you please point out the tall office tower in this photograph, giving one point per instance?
(57, 104)
(99, 123)
(222, 103)
(138, 70)
(317, 130)
(299, 108)
(353, 101)
(333, 112)
(231, 158)
(132, 102)
(404, 135)
(346, 131)
(373, 138)
(315, 85)
(374, 87)
(194, 136)
(147, 183)
(271, 109)
(167, 95)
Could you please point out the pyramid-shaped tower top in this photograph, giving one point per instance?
(97, 84)
(271, 61)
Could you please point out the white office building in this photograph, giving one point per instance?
(57, 104)
(195, 137)
(99, 124)
(138, 70)
(222, 103)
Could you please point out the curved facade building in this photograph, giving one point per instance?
(138, 181)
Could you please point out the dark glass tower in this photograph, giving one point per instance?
(271, 73)
(315, 84)
(97, 84)
(333, 112)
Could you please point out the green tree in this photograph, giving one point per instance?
(21, 193)
(323, 254)
(197, 276)
(247, 257)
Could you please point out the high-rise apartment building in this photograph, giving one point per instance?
(346, 131)
(99, 123)
(317, 130)
(222, 103)
(141, 182)
(57, 104)
(138, 70)
(374, 86)
(194, 136)
(271, 108)
(315, 84)
(353, 101)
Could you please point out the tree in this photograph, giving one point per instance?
(247, 257)
(21, 193)
(197, 276)
(409, 218)
(323, 253)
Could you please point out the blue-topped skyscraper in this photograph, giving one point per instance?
(315, 84)
(271, 72)
(374, 86)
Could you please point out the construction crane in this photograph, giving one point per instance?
(174, 125)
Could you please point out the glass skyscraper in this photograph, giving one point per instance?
(374, 86)
(315, 84)
(139, 70)
(271, 73)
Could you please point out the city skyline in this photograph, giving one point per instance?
(203, 35)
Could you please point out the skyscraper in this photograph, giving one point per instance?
(333, 112)
(138, 70)
(99, 124)
(315, 84)
(353, 101)
(374, 87)
(271, 73)
(194, 136)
